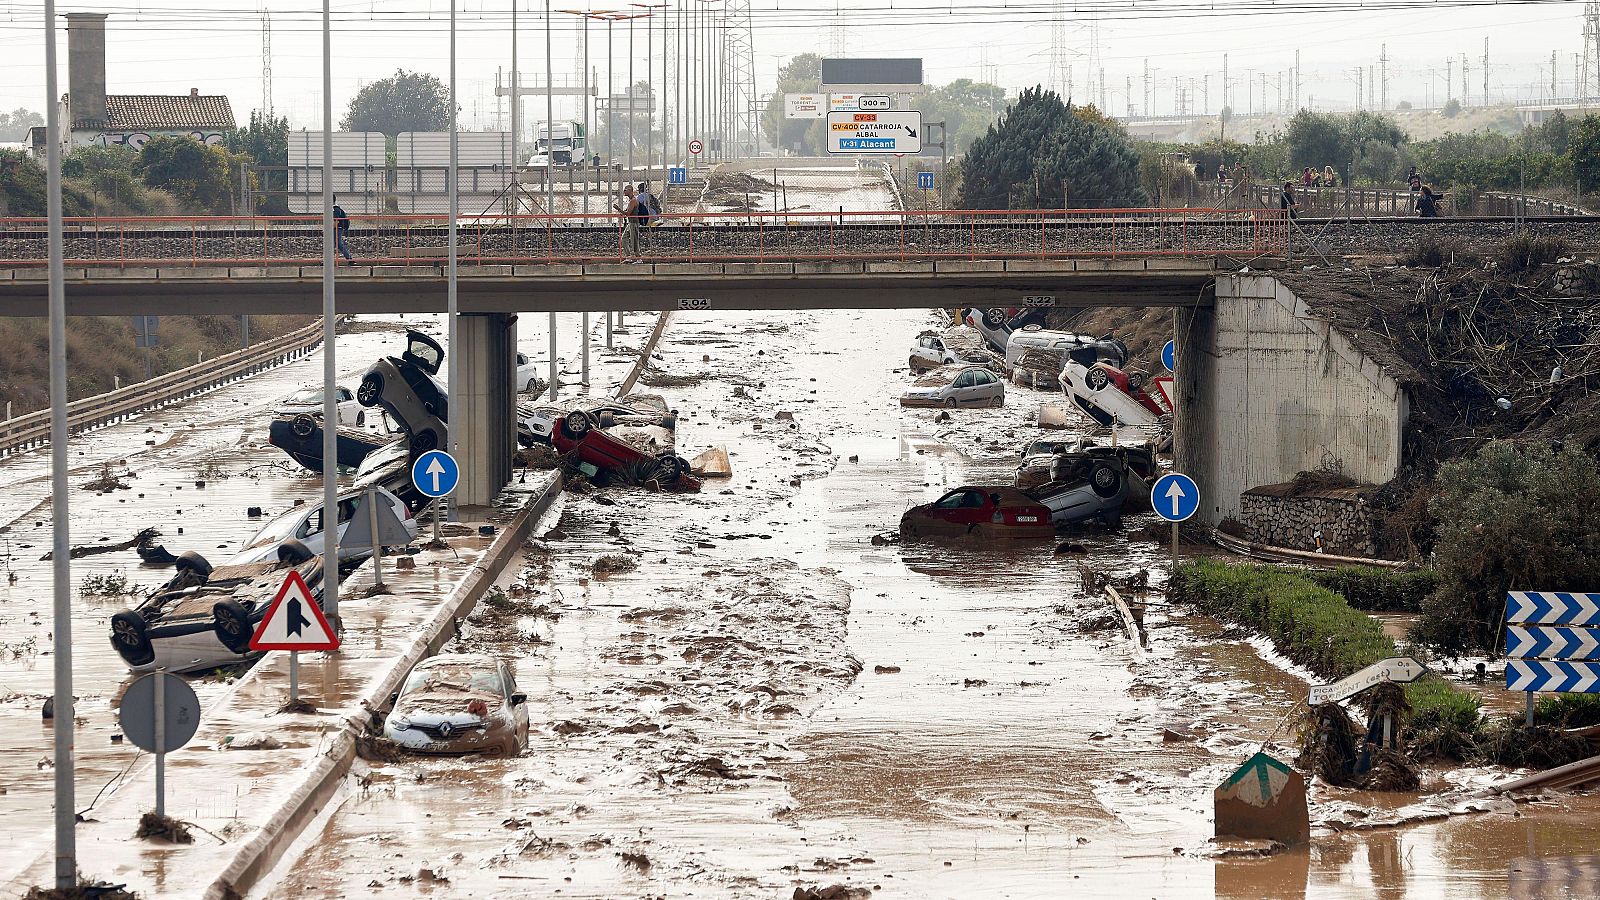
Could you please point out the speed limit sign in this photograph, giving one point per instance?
(695, 147)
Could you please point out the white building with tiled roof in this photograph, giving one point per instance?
(98, 119)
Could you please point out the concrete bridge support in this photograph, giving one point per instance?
(483, 407)
(1267, 389)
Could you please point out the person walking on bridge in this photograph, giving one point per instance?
(341, 231)
(1287, 201)
(631, 213)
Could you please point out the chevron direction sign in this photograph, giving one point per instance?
(1552, 608)
(1547, 649)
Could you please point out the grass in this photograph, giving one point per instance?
(1378, 590)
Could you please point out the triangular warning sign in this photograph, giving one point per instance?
(294, 621)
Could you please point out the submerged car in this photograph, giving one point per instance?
(527, 374)
(405, 386)
(1111, 396)
(972, 386)
(457, 703)
(981, 511)
(536, 423)
(933, 351)
(303, 524)
(389, 467)
(308, 401)
(204, 617)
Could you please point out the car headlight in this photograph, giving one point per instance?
(401, 723)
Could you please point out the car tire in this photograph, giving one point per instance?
(577, 424)
(424, 440)
(1096, 379)
(994, 318)
(232, 623)
(1105, 480)
(293, 552)
(370, 390)
(1136, 381)
(606, 420)
(130, 635)
(670, 469)
(949, 403)
(669, 422)
(190, 561)
(302, 425)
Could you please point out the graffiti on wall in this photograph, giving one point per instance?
(135, 140)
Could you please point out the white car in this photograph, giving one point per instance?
(991, 325)
(972, 386)
(304, 524)
(527, 373)
(308, 401)
(1111, 396)
(1107, 349)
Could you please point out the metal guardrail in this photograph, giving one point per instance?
(744, 236)
(33, 429)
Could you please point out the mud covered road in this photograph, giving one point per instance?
(769, 700)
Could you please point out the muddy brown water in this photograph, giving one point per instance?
(770, 700)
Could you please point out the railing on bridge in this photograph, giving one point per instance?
(390, 240)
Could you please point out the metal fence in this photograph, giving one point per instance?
(389, 240)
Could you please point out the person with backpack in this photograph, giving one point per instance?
(341, 231)
(633, 218)
(651, 204)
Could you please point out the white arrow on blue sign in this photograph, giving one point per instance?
(925, 180)
(1553, 675)
(1552, 608)
(1169, 356)
(1533, 642)
(435, 473)
(677, 175)
(1175, 497)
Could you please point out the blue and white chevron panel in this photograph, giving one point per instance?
(1553, 675)
(1552, 608)
(1552, 642)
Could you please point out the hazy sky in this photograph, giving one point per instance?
(163, 47)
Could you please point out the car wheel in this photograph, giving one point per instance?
(1135, 380)
(949, 403)
(669, 422)
(670, 468)
(370, 390)
(423, 441)
(293, 552)
(302, 425)
(1105, 480)
(994, 318)
(1097, 379)
(190, 561)
(577, 424)
(130, 634)
(232, 623)
(607, 420)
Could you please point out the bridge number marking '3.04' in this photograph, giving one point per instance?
(693, 303)
(1175, 497)
(1040, 301)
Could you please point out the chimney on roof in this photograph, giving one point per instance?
(86, 68)
(194, 93)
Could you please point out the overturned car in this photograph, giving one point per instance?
(1110, 396)
(1085, 480)
(407, 388)
(300, 436)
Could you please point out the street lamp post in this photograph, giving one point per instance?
(587, 97)
(649, 57)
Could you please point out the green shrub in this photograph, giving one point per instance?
(1568, 710)
(1510, 518)
(1444, 721)
(1377, 590)
(1529, 251)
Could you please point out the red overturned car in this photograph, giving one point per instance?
(983, 511)
(579, 432)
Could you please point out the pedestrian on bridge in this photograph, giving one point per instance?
(632, 218)
(1287, 201)
(341, 231)
(1427, 203)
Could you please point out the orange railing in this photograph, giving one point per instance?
(407, 240)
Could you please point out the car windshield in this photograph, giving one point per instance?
(1041, 448)
(305, 396)
(279, 529)
(382, 457)
(463, 677)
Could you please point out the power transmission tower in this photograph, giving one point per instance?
(1591, 49)
(1147, 86)
(1129, 90)
(1449, 79)
(1060, 79)
(741, 93)
(1096, 69)
(1383, 73)
(1485, 98)
(1553, 94)
(838, 38)
(1297, 81)
(266, 63)
(1466, 76)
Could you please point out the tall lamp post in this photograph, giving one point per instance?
(649, 57)
(587, 94)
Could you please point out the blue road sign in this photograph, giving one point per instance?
(1169, 356)
(925, 180)
(1535, 642)
(677, 175)
(1553, 675)
(1552, 608)
(1175, 497)
(435, 473)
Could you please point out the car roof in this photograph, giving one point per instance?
(458, 659)
(1009, 496)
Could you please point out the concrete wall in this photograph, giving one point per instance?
(483, 406)
(1267, 389)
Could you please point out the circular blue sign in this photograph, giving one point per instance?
(1169, 356)
(435, 474)
(1175, 497)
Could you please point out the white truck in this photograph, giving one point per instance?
(565, 144)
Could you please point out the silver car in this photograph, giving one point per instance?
(405, 387)
(972, 386)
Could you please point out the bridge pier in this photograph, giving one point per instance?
(1268, 389)
(483, 406)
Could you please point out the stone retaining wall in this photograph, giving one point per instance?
(1341, 515)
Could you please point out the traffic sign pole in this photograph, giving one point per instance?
(294, 676)
(371, 501)
(161, 743)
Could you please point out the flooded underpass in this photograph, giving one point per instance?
(757, 688)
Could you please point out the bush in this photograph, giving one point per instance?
(1568, 710)
(1510, 518)
(1377, 590)
(1430, 252)
(1529, 251)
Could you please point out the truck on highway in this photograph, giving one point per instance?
(565, 144)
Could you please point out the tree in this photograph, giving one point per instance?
(1510, 518)
(14, 125)
(1043, 153)
(265, 143)
(197, 174)
(1452, 108)
(803, 75)
(1322, 139)
(1584, 148)
(406, 101)
(22, 188)
(966, 107)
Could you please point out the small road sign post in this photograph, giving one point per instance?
(435, 474)
(925, 180)
(696, 147)
(898, 131)
(1175, 497)
(159, 714)
(1399, 670)
(378, 527)
(678, 175)
(1263, 799)
(294, 622)
(1552, 643)
(1169, 356)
